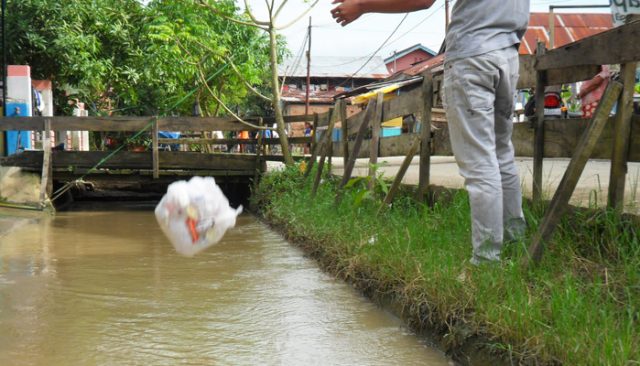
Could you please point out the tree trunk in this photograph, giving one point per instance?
(275, 85)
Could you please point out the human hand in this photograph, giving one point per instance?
(347, 11)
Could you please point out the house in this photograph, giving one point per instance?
(402, 60)
(329, 76)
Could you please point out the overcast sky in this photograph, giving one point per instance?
(362, 37)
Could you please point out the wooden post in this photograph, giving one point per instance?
(621, 137)
(538, 139)
(362, 131)
(325, 148)
(425, 137)
(403, 170)
(154, 149)
(258, 152)
(374, 145)
(345, 133)
(316, 146)
(46, 184)
(570, 179)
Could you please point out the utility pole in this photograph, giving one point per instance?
(446, 15)
(306, 103)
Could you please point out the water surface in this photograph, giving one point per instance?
(106, 288)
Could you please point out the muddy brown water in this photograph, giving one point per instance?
(106, 288)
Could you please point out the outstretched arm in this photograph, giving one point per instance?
(349, 10)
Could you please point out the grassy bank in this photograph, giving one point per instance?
(581, 306)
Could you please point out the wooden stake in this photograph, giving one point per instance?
(621, 138)
(538, 140)
(154, 150)
(570, 179)
(315, 145)
(325, 148)
(362, 131)
(403, 170)
(374, 144)
(425, 137)
(258, 157)
(46, 184)
(345, 133)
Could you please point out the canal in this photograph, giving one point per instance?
(104, 287)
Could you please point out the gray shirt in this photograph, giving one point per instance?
(481, 26)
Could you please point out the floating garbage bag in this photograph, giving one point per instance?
(194, 215)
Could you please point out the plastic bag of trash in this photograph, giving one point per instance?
(195, 215)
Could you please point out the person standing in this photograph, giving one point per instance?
(480, 74)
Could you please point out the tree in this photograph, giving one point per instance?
(160, 58)
(271, 27)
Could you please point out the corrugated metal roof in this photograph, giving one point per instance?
(334, 67)
(408, 50)
(568, 27)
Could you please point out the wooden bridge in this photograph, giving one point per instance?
(149, 170)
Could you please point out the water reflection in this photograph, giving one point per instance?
(98, 288)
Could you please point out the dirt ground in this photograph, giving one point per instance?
(591, 189)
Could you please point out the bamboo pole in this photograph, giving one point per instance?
(46, 186)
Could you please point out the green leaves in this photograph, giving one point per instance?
(134, 57)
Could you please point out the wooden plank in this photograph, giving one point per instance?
(355, 121)
(604, 48)
(154, 150)
(270, 141)
(560, 76)
(345, 133)
(75, 123)
(46, 183)
(527, 77)
(408, 102)
(374, 144)
(134, 160)
(538, 141)
(425, 139)
(202, 124)
(395, 186)
(287, 119)
(325, 150)
(560, 200)
(621, 138)
(323, 119)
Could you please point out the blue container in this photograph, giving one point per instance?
(17, 140)
(391, 131)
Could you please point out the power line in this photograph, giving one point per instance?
(376, 51)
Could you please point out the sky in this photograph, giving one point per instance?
(364, 36)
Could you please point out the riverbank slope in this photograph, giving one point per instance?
(580, 306)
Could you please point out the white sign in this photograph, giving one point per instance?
(622, 8)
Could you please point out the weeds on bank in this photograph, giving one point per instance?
(581, 306)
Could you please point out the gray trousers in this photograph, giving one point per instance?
(478, 98)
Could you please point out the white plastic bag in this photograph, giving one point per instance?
(194, 215)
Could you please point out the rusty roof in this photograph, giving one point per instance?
(335, 67)
(568, 27)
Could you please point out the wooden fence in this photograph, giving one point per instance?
(602, 137)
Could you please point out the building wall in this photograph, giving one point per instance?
(408, 60)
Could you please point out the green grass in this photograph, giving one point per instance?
(581, 306)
